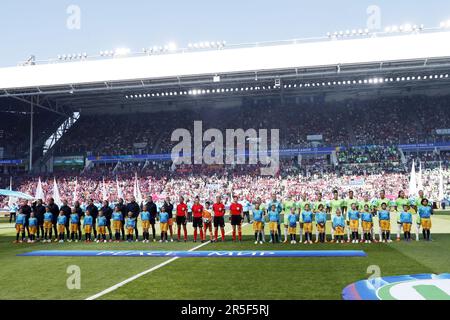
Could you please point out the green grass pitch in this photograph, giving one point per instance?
(211, 278)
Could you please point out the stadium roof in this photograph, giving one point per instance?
(90, 83)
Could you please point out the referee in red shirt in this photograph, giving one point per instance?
(197, 212)
(219, 221)
(181, 218)
(236, 211)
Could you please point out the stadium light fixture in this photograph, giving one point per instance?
(172, 46)
(122, 52)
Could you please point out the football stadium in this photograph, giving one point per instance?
(305, 169)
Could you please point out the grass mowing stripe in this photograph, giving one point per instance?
(115, 287)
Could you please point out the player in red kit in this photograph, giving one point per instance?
(236, 211)
(197, 212)
(181, 218)
(219, 220)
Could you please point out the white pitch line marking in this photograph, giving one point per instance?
(121, 284)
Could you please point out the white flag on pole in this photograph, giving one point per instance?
(137, 192)
(441, 183)
(419, 178)
(104, 193)
(39, 191)
(75, 190)
(56, 195)
(413, 182)
(11, 200)
(119, 190)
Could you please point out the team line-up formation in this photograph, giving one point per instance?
(358, 220)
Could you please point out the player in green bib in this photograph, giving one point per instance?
(288, 204)
(335, 204)
(364, 202)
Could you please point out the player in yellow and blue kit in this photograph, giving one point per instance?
(101, 227)
(406, 222)
(367, 223)
(130, 224)
(292, 225)
(321, 222)
(274, 218)
(61, 223)
(425, 212)
(307, 217)
(258, 216)
(338, 224)
(117, 219)
(385, 223)
(353, 218)
(87, 225)
(48, 218)
(32, 227)
(164, 224)
(20, 226)
(74, 220)
(145, 218)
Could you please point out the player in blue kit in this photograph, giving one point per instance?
(117, 219)
(74, 221)
(425, 212)
(130, 224)
(338, 224)
(61, 223)
(321, 221)
(274, 218)
(32, 226)
(164, 224)
(101, 227)
(307, 218)
(48, 218)
(20, 226)
(258, 216)
(406, 222)
(145, 218)
(385, 223)
(367, 223)
(88, 222)
(292, 223)
(353, 218)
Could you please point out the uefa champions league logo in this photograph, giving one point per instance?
(231, 150)
(407, 287)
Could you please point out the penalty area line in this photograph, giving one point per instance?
(121, 284)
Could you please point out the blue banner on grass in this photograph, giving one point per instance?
(197, 254)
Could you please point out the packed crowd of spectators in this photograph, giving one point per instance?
(380, 121)
(247, 184)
